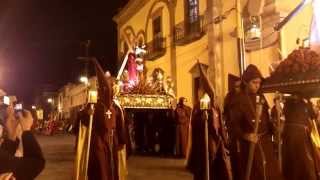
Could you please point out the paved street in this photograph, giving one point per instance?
(59, 156)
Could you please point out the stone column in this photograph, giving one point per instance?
(173, 53)
(215, 54)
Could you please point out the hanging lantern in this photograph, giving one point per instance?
(254, 31)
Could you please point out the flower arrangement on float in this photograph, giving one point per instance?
(298, 73)
(136, 90)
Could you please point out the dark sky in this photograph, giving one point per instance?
(40, 40)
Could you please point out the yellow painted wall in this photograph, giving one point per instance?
(138, 21)
(164, 61)
(187, 57)
(179, 16)
(297, 27)
(229, 45)
(263, 58)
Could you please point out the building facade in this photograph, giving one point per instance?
(67, 101)
(179, 33)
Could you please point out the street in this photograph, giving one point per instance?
(59, 154)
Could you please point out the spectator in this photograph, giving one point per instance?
(6, 176)
(32, 163)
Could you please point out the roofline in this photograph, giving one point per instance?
(129, 10)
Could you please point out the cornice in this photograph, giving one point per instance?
(132, 7)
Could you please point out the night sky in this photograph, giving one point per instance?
(41, 40)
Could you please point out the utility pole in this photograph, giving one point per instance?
(87, 44)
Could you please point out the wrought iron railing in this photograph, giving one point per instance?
(156, 48)
(187, 31)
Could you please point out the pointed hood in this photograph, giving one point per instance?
(206, 84)
(105, 93)
(252, 72)
(232, 79)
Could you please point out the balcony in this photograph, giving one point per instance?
(156, 48)
(187, 32)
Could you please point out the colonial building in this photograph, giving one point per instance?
(178, 33)
(71, 97)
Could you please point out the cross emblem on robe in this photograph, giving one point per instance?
(109, 113)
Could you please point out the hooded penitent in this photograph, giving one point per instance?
(105, 93)
(219, 167)
(232, 79)
(252, 72)
(206, 84)
(108, 135)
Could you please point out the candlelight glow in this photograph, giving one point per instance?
(205, 102)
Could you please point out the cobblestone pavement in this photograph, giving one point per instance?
(59, 154)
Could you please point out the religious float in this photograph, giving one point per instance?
(299, 73)
(135, 90)
(148, 102)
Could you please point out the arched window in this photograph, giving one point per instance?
(192, 19)
(192, 11)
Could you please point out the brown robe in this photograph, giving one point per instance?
(182, 114)
(297, 152)
(196, 160)
(233, 142)
(108, 136)
(242, 122)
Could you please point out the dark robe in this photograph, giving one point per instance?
(233, 142)
(242, 122)
(167, 131)
(108, 136)
(182, 115)
(197, 160)
(297, 152)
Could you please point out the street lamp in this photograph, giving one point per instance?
(254, 32)
(84, 80)
(204, 106)
(50, 100)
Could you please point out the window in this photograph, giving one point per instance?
(192, 19)
(157, 33)
(192, 12)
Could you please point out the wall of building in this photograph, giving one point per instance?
(187, 55)
(224, 50)
(73, 96)
(297, 27)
